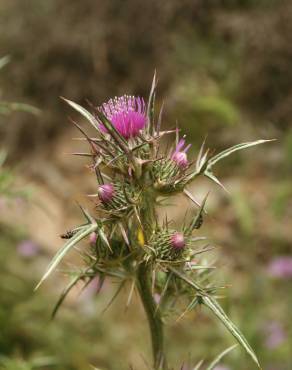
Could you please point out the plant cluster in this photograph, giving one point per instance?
(135, 175)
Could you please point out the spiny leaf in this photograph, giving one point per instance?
(198, 366)
(150, 106)
(218, 311)
(163, 293)
(117, 292)
(201, 159)
(159, 121)
(186, 278)
(86, 214)
(212, 177)
(190, 307)
(65, 292)
(225, 153)
(4, 60)
(84, 113)
(191, 197)
(86, 230)
(197, 222)
(220, 356)
(104, 238)
(8, 107)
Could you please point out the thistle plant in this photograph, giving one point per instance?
(126, 241)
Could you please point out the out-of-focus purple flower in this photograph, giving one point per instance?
(179, 155)
(178, 241)
(275, 334)
(221, 367)
(126, 113)
(27, 248)
(281, 267)
(106, 192)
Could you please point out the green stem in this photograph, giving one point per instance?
(153, 316)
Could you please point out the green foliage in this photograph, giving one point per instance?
(220, 108)
(6, 108)
(8, 188)
(17, 364)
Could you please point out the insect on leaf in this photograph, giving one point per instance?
(86, 230)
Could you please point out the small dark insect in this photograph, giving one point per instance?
(199, 222)
(68, 234)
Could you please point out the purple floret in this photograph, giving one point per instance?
(126, 113)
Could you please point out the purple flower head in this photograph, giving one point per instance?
(221, 367)
(178, 241)
(281, 267)
(126, 113)
(106, 192)
(27, 248)
(179, 156)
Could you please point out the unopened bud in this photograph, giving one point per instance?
(106, 192)
(169, 245)
(181, 159)
(92, 238)
(179, 156)
(178, 241)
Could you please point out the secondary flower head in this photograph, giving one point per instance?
(106, 192)
(178, 241)
(179, 156)
(275, 334)
(28, 248)
(126, 113)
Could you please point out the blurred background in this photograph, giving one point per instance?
(225, 71)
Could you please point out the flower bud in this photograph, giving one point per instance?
(117, 198)
(177, 241)
(169, 245)
(180, 158)
(93, 238)
(170, 173)
(106, 192)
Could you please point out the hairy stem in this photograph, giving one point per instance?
(153, 316)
